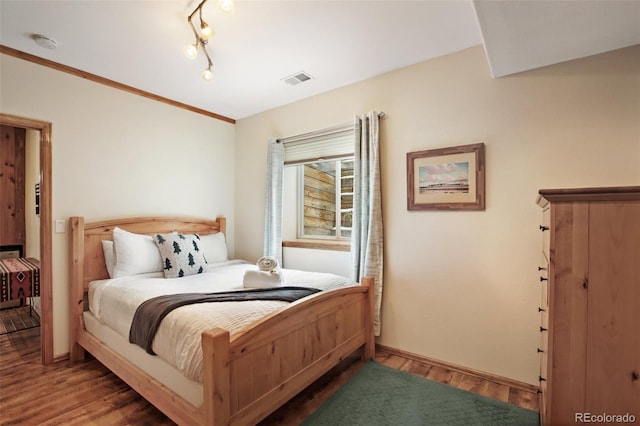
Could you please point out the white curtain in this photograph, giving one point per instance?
(366, 234)
(273, 202)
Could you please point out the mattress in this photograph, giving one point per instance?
(156, 367)
(113, 303)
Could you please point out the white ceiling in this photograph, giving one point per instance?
(139, 43)
(523, 35)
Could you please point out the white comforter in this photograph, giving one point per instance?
(114, 302)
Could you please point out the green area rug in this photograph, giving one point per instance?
(379, 395)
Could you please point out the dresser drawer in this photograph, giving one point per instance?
(546, 233)
(543, 281)
(543, 346)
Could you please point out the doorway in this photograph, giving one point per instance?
(46, 270)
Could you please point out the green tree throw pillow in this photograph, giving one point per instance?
(181, 254)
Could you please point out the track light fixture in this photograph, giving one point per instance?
(202, 37)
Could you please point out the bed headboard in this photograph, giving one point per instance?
(87, 257)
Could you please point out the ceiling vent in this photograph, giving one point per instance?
(297, 78)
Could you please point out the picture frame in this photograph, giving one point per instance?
(450, 178)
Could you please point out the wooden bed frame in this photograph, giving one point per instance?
(287, 350)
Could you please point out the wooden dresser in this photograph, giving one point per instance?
(590, 305)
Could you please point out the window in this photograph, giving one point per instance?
(325, 199)
(318, 186)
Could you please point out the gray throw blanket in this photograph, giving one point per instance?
(150, 313)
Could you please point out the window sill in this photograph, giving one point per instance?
(319, 245)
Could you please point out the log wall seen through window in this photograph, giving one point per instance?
(324, 195)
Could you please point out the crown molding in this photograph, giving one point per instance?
(114, 84)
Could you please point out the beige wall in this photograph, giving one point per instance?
(117, 154)
(32, 176)
(32, 220)
(463, 286)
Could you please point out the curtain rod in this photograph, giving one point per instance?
(323, 132)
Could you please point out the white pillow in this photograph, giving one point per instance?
(214, 247)
(134, 254)
(109, 260)
(181, 254)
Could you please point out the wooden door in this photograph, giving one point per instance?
(613, 340)
(12, 186)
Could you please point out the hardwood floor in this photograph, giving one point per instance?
(17, 319)
(88, 394)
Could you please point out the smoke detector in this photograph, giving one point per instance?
(44, 41)
(297, 78)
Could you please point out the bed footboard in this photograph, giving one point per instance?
(249, 377)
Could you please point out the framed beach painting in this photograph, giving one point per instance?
(446, 179)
